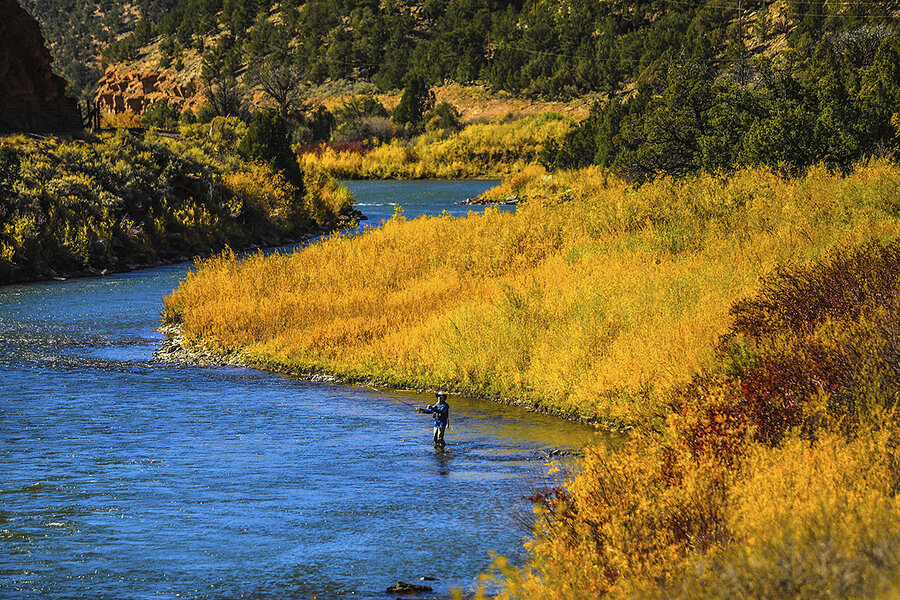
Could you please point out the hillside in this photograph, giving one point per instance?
(676, 87)
(78, 31)
(555, 48)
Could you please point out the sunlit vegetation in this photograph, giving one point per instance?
(559, 48)
(478, 150)
(594, 300)
(119, 200)
(747, 326)
(775, 474)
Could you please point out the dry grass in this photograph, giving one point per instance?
(594, 300)
(775, 474)
(771, 469)
(476, 104)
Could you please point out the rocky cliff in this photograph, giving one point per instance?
(132, 90)
(32, 98)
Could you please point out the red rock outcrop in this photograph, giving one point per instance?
(32, 97)
(128, 90)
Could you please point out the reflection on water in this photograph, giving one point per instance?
(442, 460)
(126, 478)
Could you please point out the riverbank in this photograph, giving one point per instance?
(745, 327)
(176, 349)
(127, 264)
(593, 300)
(120, 202)
(154, 466)
(477, 151)
(774, 475)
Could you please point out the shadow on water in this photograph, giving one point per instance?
(125, 478)
(442, 457)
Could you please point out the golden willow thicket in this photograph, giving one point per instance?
(595, 299)
(776, 472)
(479, 150)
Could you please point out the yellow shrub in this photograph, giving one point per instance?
(803, 520)
(479, 150)
(809, 521)
(258, 189)
(594, 299)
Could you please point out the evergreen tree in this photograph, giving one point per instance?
(160, 113)
(268, 140)
(417, 99)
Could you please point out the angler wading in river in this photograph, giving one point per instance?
(441, 412)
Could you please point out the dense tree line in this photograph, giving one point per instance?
(558, 48)
(835, 106)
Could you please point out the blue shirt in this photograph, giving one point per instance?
(441, 412)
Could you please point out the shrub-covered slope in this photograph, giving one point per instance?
(77, 207)
(560, 48)
(776, 473)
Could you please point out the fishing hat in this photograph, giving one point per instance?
(441, 395)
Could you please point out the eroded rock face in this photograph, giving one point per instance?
(32, 97)
(131, 90)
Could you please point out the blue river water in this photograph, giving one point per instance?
(124, 477)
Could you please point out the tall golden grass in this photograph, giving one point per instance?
(479, 150)
(804, 520)
(775, 475)
(595, 299)
(753, 320)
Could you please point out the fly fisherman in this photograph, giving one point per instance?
(441, 412)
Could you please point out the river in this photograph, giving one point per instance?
(126, 478)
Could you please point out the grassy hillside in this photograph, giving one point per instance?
(593, 300)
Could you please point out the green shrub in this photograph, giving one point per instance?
(444, 116)
(416, 101)
(9, 170)
(70, 205)
(160, 113)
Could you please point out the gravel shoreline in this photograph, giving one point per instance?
(175, 350)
